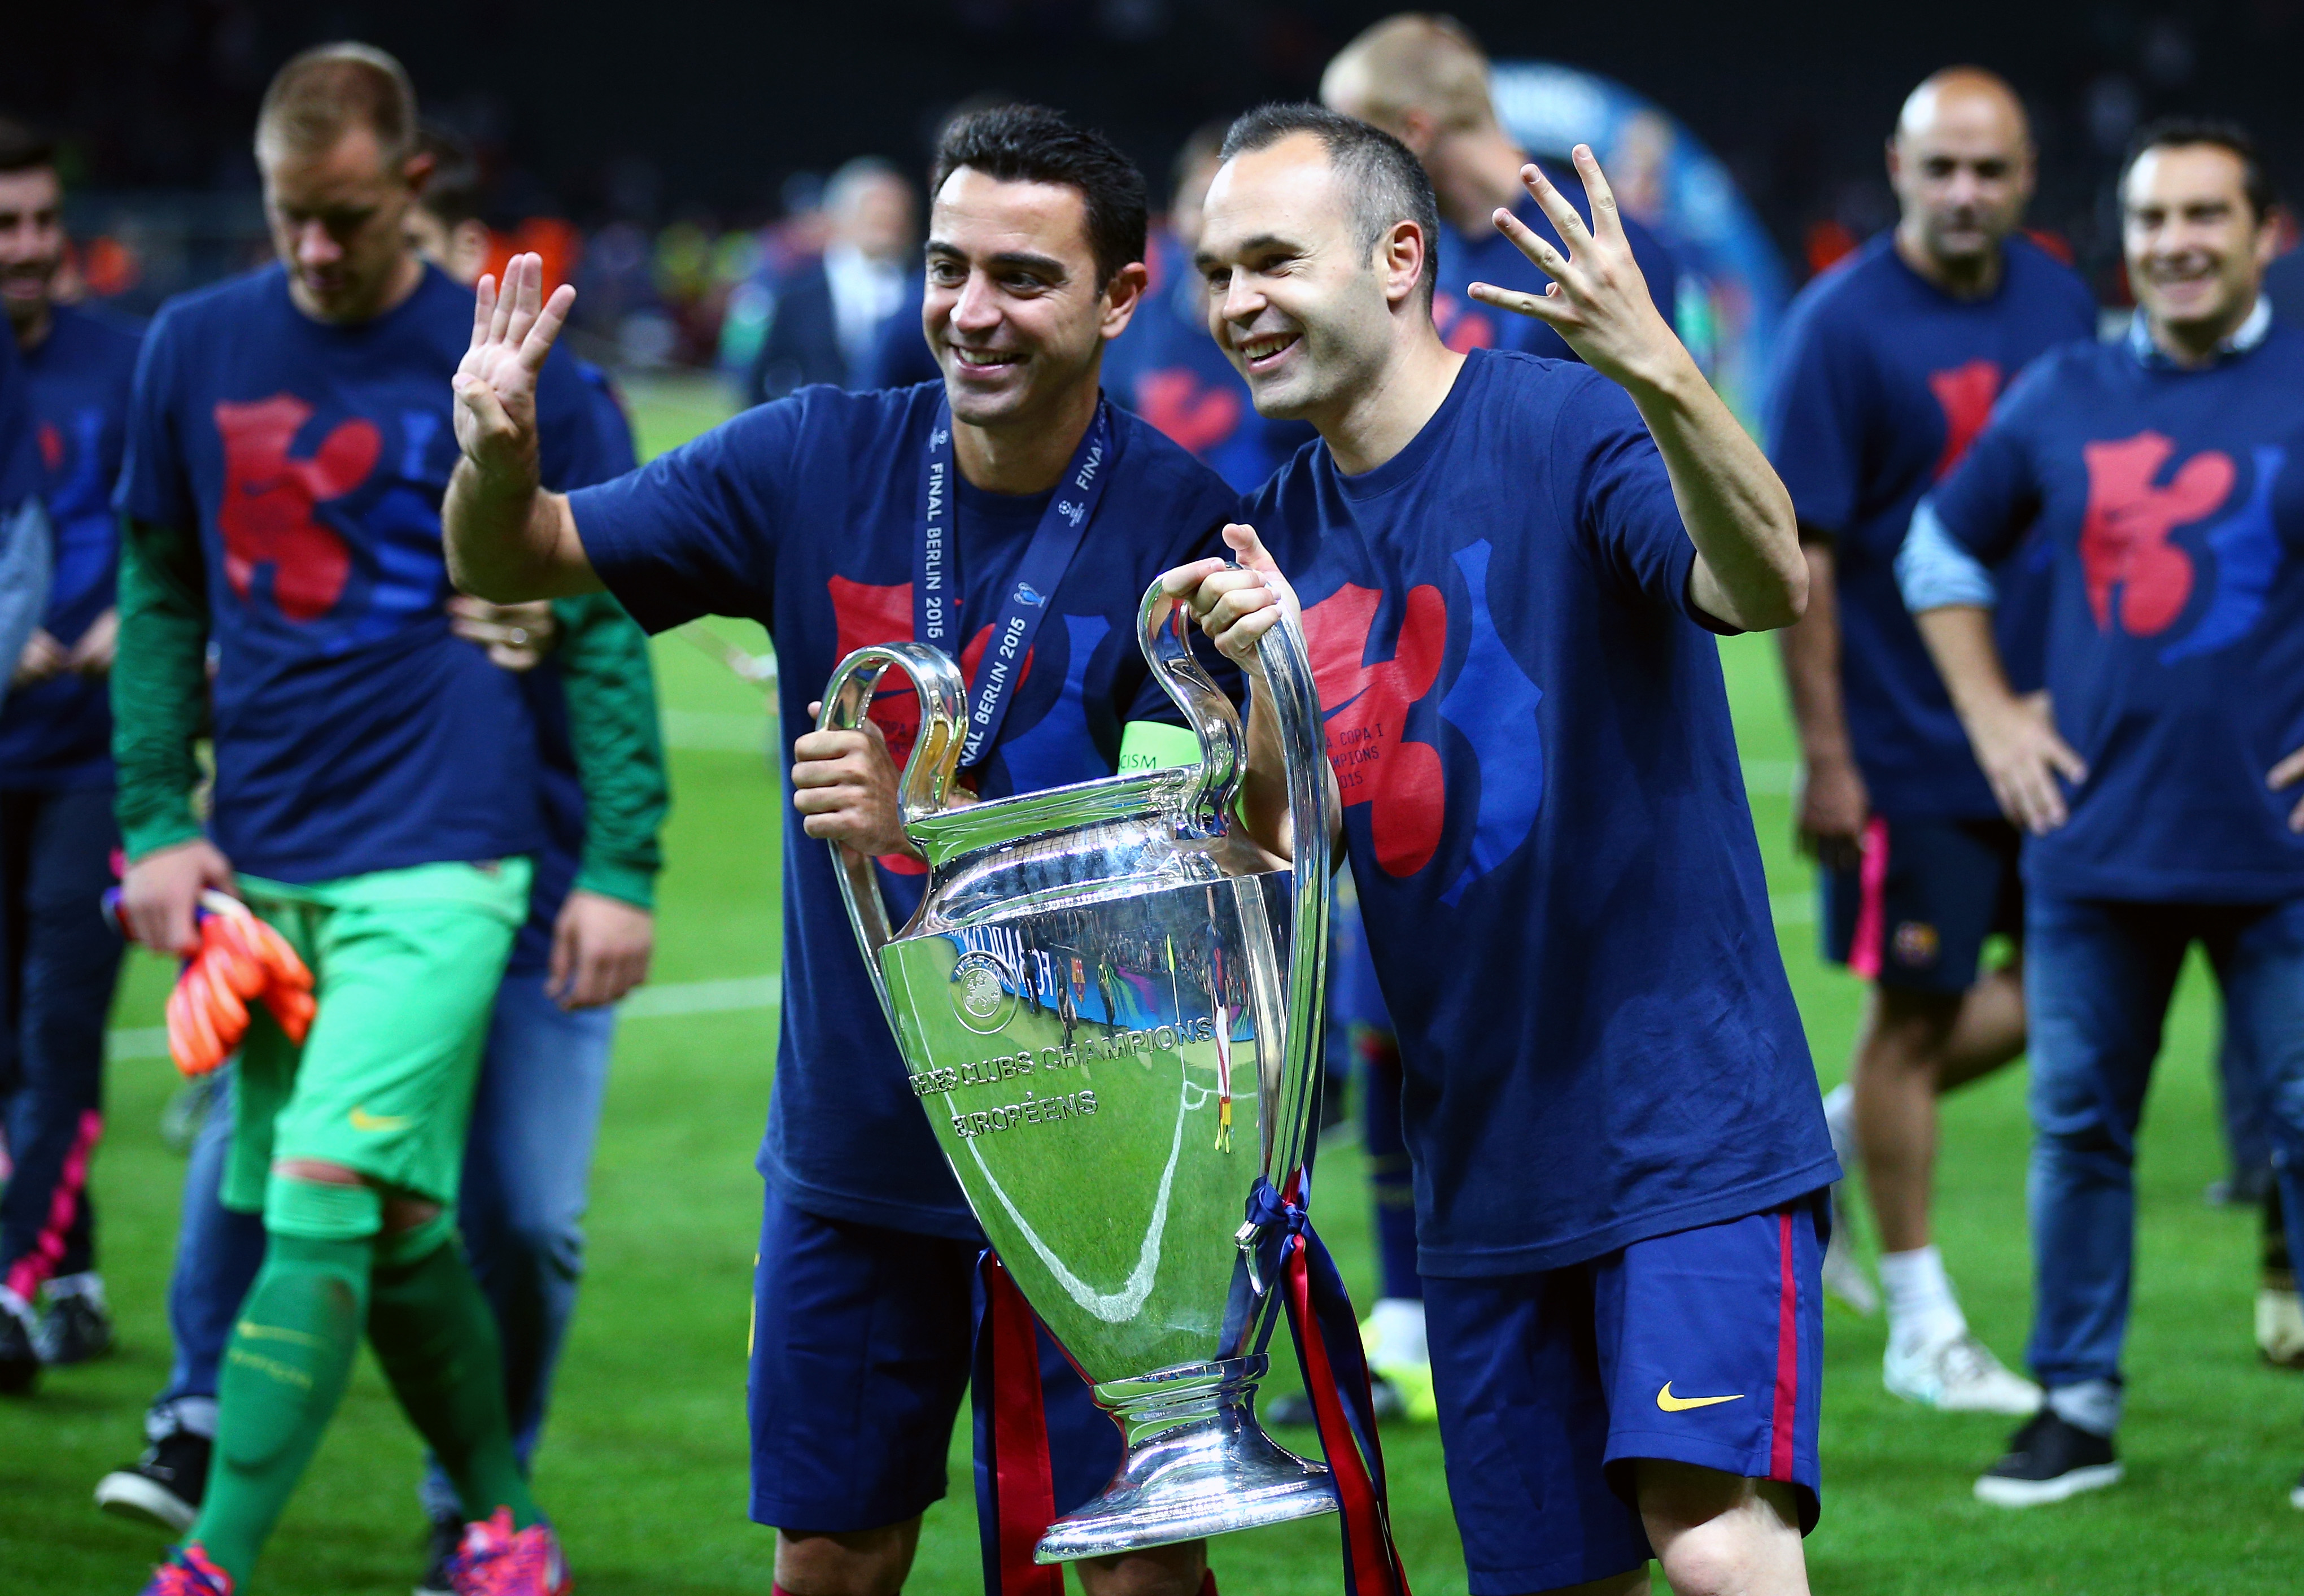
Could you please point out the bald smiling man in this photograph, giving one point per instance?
(1889, 366)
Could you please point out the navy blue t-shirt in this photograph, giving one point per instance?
(1548, 827)
(2174, 501)
(802, 515)
(353, 731)
(1883, 380)
(1488, 256)
(560, 784)
(1168, 369)
(57, 733)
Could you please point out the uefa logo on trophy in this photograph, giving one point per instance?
(1109, 1004)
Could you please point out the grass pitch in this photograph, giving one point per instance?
(643, 1466)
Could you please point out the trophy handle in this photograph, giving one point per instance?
(920, 791)
(1223, 756)
(1162, 631)
(1303, 741)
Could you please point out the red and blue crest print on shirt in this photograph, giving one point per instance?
(1384, 725)
(1965, 393)
(304, 521)
(2139, 577)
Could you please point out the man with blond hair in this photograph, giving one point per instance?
(376, 800)
(1424, 80)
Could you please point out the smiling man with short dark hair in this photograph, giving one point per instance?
(1511, 568)
(946, 513)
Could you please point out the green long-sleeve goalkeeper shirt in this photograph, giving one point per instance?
(159, 705)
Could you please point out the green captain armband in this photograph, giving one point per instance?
(1155, 745)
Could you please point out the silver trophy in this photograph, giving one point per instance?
(1084, 1001)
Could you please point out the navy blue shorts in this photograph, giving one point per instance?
(1914, 914)
(862, 1340)
(1703, 1348)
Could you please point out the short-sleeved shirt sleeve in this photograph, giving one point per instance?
(152, 481)
(1622, 500)
(694, 532)
(1990, 498)
(1810, 422)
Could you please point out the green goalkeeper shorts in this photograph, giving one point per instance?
(405, 966)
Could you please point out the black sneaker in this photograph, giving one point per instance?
(2047, 1461)
(442, 1542)
(165, 1486)
(20, 1350)
(1294, 1407)
(76, 1328)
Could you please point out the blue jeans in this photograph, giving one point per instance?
(535, 1121)
(58, 958)
(2098, 980)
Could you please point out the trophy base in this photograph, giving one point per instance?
(1198, 1465)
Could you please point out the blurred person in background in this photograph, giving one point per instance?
(58, 954)
(826, 318)
(584, 667)
(1888, 367)
(2157, 777)
(376, 801)
(1424, 80)
(1169, 370)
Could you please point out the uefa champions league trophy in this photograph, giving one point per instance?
(1110, 1006)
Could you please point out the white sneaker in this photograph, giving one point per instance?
(1958, 1376)
(2280, 1328)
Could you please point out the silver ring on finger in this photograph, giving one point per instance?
(519, 636)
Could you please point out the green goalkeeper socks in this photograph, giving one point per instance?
(437, 1342)
(285, 1371)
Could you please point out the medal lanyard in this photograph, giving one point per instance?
(935, 573)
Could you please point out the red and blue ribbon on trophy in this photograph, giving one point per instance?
(1015, 1485)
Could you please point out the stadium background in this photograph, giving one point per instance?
(655, 147)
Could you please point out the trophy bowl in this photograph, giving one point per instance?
(1108, 1004)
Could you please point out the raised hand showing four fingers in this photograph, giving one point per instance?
(512, 332)
(1598, 301)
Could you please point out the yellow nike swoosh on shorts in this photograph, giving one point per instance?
(1681, 1405)
(363, 1120)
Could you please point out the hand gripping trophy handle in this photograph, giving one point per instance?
(920, 791)
(926, 782)
(1100, 979)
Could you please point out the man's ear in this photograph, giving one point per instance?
(416, 171)
(2267, 239)
(1122, 297)
(1399, 256)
